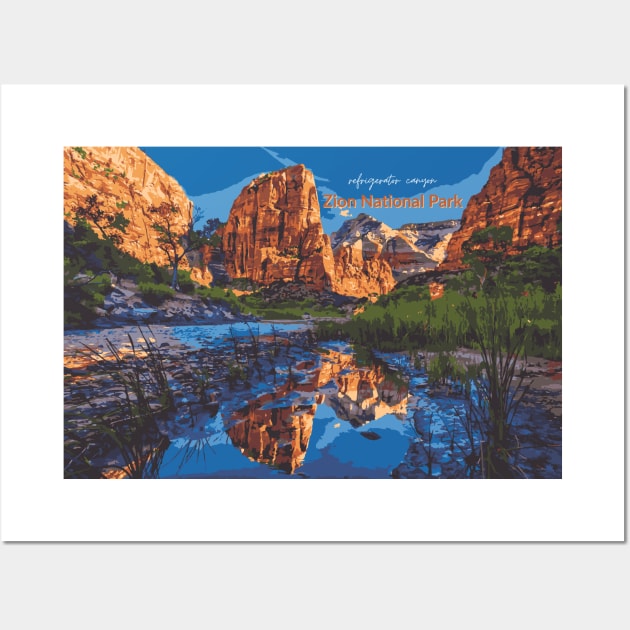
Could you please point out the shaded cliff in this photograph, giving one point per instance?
(103, 182)
(524, 192)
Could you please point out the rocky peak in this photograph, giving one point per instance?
(354, 228)
(427, 236)
(412, 249)
(274, 231)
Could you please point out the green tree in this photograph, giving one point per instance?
(209, 227)
(486, 250)
(172, 240)
(109, 224)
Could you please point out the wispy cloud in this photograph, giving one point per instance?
(288, 162)
(274, 154)
(218, 203)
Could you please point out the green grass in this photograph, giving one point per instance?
(286, 310)
(130, 426)
(254, 304)
(405, 321)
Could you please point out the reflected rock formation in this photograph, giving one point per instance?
(275, 428)
(364, 394)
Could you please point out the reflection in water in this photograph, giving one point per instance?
(273, 432)
(365, 394)
(278, 437)
(275, 428)
(296, 411)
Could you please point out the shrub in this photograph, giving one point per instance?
(83, 294)
(186, 284)
(220, 295)
(155, 293)
(444, 368)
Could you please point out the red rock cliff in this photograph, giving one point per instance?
(361, 273)
(126, 180)
(524, 192)
(274, 231)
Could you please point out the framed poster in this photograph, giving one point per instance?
(337, 295)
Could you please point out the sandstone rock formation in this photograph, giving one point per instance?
(274, 231)
(431, 238)
(360, 275)
(524, 192)
(410, 250)
(112, 180)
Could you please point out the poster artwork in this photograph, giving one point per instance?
(313, 312)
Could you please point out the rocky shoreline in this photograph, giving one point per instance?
(100, 367)
(124, 306)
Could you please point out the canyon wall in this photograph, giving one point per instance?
(101, 182)
(524, 192)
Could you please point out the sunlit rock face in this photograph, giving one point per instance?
(126, 180)
(360, 268)
(524, 192)
(274, 231)
(388, 255)
(359, 273)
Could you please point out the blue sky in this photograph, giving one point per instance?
(214, 176)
